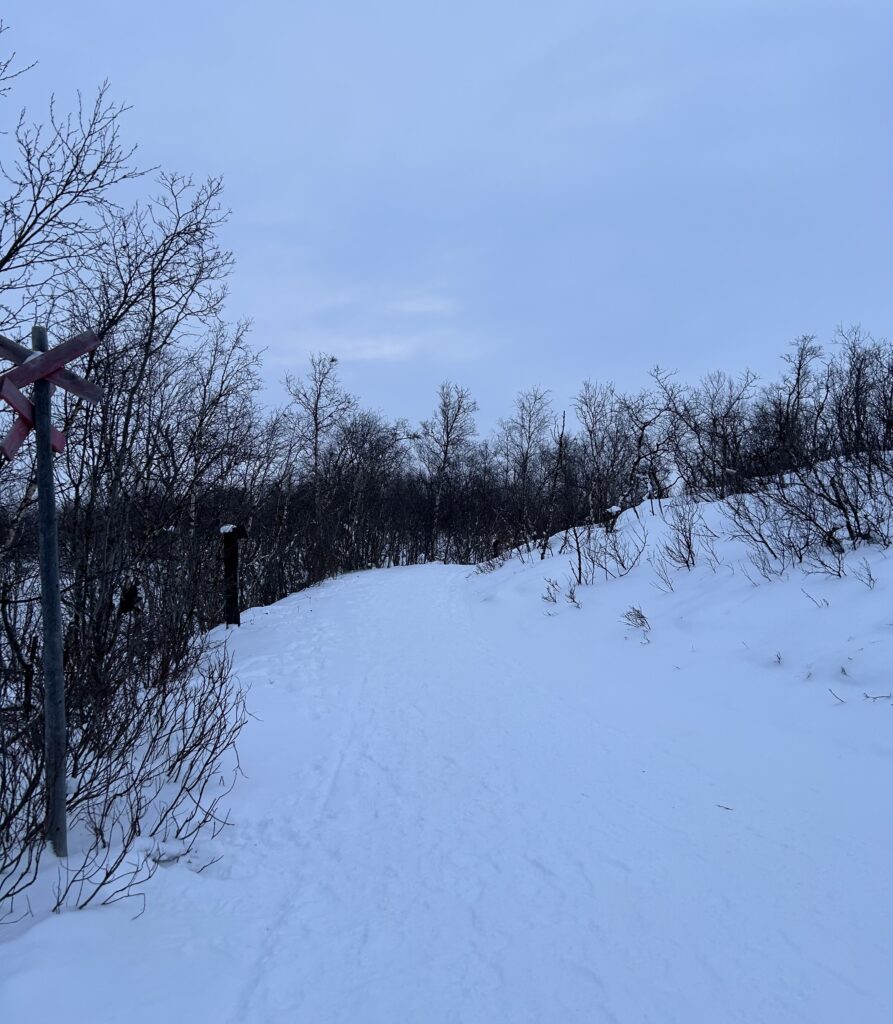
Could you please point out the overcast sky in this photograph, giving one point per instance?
(503, 192)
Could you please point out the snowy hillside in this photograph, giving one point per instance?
(463, 802)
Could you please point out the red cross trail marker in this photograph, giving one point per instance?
(45, 370)
(32, 367)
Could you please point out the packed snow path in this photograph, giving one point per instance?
(459, 808)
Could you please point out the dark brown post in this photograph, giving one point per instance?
(231, 537)
(55, 736)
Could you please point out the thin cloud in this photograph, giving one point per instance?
(385, 350)
(422, 306)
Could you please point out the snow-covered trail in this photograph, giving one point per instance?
(458, 808)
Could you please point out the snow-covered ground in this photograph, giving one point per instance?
(465, 804)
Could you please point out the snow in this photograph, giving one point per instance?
(462, 803)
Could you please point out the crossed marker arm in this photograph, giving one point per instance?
(50, 366)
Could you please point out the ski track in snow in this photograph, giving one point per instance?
(460, 809)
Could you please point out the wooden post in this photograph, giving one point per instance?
(55, 736)
(231, 537)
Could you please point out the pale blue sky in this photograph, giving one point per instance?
(509, 193)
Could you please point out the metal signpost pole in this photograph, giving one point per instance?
(54, 681)
(43, 368)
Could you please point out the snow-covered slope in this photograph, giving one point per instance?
(463, 803)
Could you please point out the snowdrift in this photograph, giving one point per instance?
(636, 780)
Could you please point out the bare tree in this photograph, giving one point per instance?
(59, 178)
(152, 707)
(522, 442)
(442, 442)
